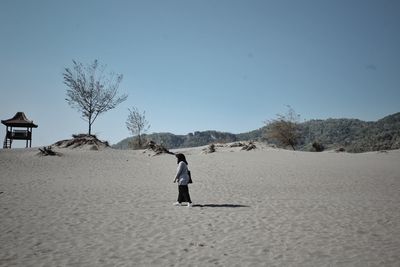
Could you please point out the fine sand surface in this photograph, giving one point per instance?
(265, 207)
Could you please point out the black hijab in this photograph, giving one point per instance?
(181, 157)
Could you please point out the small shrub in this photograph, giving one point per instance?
(318, 147)
(341, 149)
(136, 143)
(209, 149)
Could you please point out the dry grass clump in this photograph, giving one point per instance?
(247, 146)
(209, 149)
(83, 141)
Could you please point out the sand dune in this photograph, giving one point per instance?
(266, 207)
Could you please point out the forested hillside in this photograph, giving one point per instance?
(351, 134)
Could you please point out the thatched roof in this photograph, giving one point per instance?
(19, 120)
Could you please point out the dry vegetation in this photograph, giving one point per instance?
(83, 141)
(247, 146)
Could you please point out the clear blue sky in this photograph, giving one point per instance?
(224, 65)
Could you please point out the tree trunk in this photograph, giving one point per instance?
(291, 144)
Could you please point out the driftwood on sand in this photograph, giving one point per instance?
(158, 149)
(249, 146)
(48, 151)
(245, 146)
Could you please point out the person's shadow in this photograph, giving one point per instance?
(220, 206)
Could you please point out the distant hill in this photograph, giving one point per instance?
(195, 139)
(352, 134)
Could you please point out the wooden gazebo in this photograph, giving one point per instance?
(18, 121)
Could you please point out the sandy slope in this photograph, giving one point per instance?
(265, 207)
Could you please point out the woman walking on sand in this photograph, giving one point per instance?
(182, 176)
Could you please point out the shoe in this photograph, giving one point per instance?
(190, 205)
(176, 204)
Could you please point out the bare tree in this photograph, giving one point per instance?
(285, 128)
(137, 124)
(90, 91)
